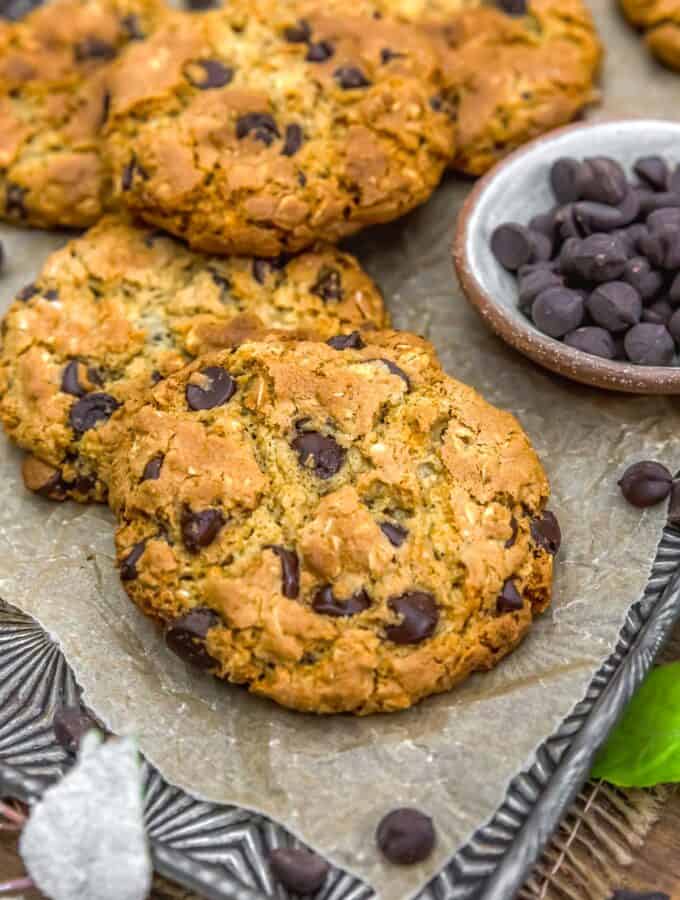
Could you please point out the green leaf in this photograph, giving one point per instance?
(644, 748)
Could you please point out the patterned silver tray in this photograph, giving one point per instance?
(221, 851)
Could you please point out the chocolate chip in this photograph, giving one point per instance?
(640, 275)
(351, 341)
(71, 724)
(605, 180)
(298, 34)
(659, 313)
(320, 52)
(199, 529)
(615, 306)
(662, 247)
(544, 223)
(133, 27)
(674, 181)
(293, 140)
(534, 283)
(290, 570)
(546, 532)
(405, 836)
(511, 245)
(300, 871)
(128, 174)
(513, 7)
(513, 536)
(646, 483)
(128, 564)
(419, 617)
(152, 470)
(674, 325)
(197, 5)
(94, 48)
(221, 281)
(186, 636)
(387, 55)
(319, 452)
(557, 311)
(593, 340)
(90, 410)
(650, 201)
(15, 197)
(661, 217)
(594, 217)
(207, 74)
(69, 380)
(647, 344)
(326, 604)
(349, 77)
(220, 389)
(260, 125)
(328, 284)
(541, 247)
(653, 170)
(509, 600)
(565, 222)
(598, 258)
(51, 294)
(567, 178)
(396, 534)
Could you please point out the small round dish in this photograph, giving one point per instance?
(515, 190)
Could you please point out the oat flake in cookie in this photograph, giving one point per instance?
(245, 130)
(124, 306)
(262, 547)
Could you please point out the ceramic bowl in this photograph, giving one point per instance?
(517, 189)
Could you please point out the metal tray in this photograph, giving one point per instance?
(221, 851)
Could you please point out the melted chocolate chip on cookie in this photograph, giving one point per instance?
(260, 125)
(293, 140)
(221, 388)
(186, 636)
(207, 74)
(351, 341)
(70, 383)
(396, 534)
(91, 410)
(509, 600)
(419, 617)
(152, 470)
(199, 529)
(326, 604)
(128, 565)
(349, 78)
(290, 570)
(328, 284)
(320, 453)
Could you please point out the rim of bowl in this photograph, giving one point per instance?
(548, 352)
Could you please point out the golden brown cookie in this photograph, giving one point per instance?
(660, 21)
(245, 131)
(341, 528)
(124, 306)
(53, 102)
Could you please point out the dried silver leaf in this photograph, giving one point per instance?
(85, 838)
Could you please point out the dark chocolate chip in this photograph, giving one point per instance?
(128, 564)
(207, 74)
(199, 5)
(419, 617)
(615, 306)
(512, 245)
(541, 246)
(94, 48)
(221, 281)
(514, 527)
(650, 201)
(128, 174)
(394, 369)
(534, 283)
(405, 836)
(647, 344)
(593, 340)
(320, 52)
(299, 33)
(293, 139)
(605, 180)
(594, 217)
(326, 604)
(351, 341)
(387, 55)
(660, 217)
(639, 274)
(15, 197)
(544, 223)
(186, 636)
(646, 483)
(290, 570)
(659, 313)
(653, 170)
(152, 470)
(513, 7)
(662, 246)
(260, 125)
(199, 529)
(90, 410)
(567, 178)
(557, 311)
(598, 258)
(674, 325)
(320, 453)
(51, 294)
(156, 377)
(133, 27)
(674, 181)
(106, 108)
(69, 380)
(71, 724)
(565, 222)
(546, 532)
(674, 290)
(509, 600)
(396, 534)
(349, 77)
(300, 871)
(221, 388)
(328, 284)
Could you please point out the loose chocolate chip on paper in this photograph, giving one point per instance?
(349, 78)
(152, 470)
(298, 870)
(320, 52)
(326, 604)
(260, 125)
(509, 599)
(546, 532)
(290, 570)
(199, 529)
(293, 139)
(396, 534)
(647, 344)
(406, 836)
(653, 170)
(646, 483)
(207, 74)
(319, 452)
(90, 410)
(220, 389)
(70, 383)
(419, 617)
(351, 341)
(299, 33)
(71, 724)
(186, 636)
(128, 564)
(592, 339)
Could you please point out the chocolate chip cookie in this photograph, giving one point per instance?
(53, 102)
(660, 22)
(124, 306)
(340, 526)
(247, 130)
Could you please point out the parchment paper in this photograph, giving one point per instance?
(331, 779)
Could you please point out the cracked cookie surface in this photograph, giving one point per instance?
(125, 305)
(660, 21)
(341, 528)
(244, 130)
(53, 102)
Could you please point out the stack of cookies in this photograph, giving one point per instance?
(306, 501)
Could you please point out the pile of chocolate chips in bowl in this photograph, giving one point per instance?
(600, 270)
